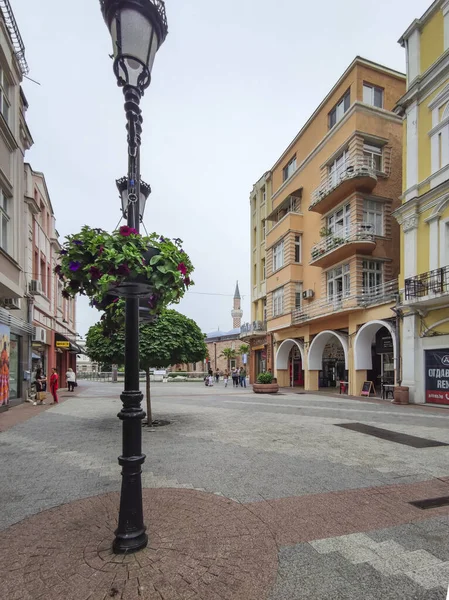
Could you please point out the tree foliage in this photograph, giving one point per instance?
(173, 339)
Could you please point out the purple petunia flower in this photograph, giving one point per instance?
(57, 269)
(74, 265)
(187, 281)
(78, 242)
(182, 268)
(125, 230)
(63, 252)
(95, 272)
(123, 270)
(162, 239)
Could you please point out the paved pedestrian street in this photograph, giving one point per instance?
(246, 497)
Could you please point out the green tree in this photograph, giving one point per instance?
(244, 349)
(173, 339)
(229, 354)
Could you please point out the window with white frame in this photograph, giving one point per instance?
(338, 222)
(278, 256)
(5, 103)
(264, 230)
(439, 139)
(338, 167)
(4, 221)
(337, 113)
(372, 156)
(289, 168)
(298, 295)
(278, 302)
(297, 248)
(264, 195)
(263, 272)
(338, 282)
(373, 95)
(59, 295)
(372, 274)
(373, 215)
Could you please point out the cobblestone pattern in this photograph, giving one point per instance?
(201, 547)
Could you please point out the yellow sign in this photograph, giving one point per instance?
(62, 344)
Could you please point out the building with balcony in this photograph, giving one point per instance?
(254, 333)
(424, 213)
(332, 245)
(15, 140)
(53, 317)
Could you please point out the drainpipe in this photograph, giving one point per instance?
(30, 303)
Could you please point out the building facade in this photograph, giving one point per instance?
(15, 140)
(332, 245)
(424, 213)
(84, 365)
(254, 333)
(53, 317)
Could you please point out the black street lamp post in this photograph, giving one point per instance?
(138, 28)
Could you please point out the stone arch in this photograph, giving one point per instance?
(363, 360)
(283, 353)
(316, 348)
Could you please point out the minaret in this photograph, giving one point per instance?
(237, 313)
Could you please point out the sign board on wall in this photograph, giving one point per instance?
(437, 376)
(63, 345)
(384, 341)
(4, 364)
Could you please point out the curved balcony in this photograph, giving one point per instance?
(357, 174)
(254, 329)
(338, 246)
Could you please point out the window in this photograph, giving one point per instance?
(43, 277)
(264, 195)
(338, 283)
(264, 309)
(337, 113)
(262, 269)
(373, 214)
(297, 248)
(278, 302)
(298, 295)
(278, 256)
(255, 237)
(338, 167)
(338, 222)
(59, 295)
(49, 294)
(373, 157)
(5, 103)
(373, 95)
(255, 275)
(372, 274)
(4, 221)
(233, 363)
(264, 230)
(289, 169)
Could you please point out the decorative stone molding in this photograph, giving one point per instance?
(410, 223)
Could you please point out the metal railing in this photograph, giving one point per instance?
(356, 167)
(292, 204)
(426, 284)
(362, 298)
(354, 232)
(254, 327)
(16, 38)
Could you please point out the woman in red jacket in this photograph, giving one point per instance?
(54, 380)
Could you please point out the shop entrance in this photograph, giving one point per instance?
(296, 370)
(333, 366)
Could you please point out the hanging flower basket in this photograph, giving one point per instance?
(124, 263)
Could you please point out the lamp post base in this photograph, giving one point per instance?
(127, 544)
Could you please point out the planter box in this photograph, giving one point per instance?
(401, 395)
(140, 287)
(265, 388)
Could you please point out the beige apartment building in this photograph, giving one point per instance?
(15, 140)
(331, 248)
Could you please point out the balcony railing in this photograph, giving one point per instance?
(355, 232)
(427, 284)
(291, 204)
(362, 298)
(254, 327)
(357, 167)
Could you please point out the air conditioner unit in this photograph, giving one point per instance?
(39, 335)
(12, 303)
(35, 287)
(308, 294)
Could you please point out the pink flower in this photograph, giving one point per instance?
(187, 281)
(101, 250)
(125, 230)
(95, 272)
(182, 268)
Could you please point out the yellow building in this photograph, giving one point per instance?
(424, 213)
(332, 246)
(254, 333)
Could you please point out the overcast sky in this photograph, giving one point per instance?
(232, 85)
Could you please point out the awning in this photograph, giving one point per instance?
(36, 356)
(63, 343)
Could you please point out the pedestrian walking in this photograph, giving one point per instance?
(71, 379)
(40, 380)
(226, 378)
(54, 385)
(211, 380)
(217, 375)
(235, 377)
(243, 377)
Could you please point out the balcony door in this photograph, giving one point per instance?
(338, 222)
(338, 167)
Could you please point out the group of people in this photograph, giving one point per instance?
(238, 377)
(41, 384)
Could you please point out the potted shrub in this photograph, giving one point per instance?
(124, 263)
(266, 384)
